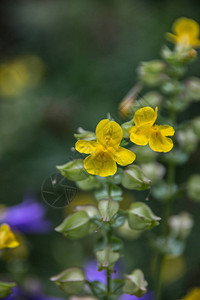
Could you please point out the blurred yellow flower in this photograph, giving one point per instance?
(7, 237)
(105, 152)
(186, 33)
(20, 74)
(194, 294)
(145, 131)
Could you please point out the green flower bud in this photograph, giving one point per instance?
(85, 135)
(141, 217)
(134, 179)
(126, 128)
(73, 170)
(187, 139)
(154, 171)
(126, 232)
(75, 226)
(135, 284)
(107, 258)
(88, 184)
(108, 208)
(194, 187)
(70, 281)
(6, 289)
(152, 72)
(181, 225)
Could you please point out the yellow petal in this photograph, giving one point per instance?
(100, 163)
(186, 26)
(109, 133)
(145, 116)
(194, 294)
(124, 156)
(160, 143)
(138, 135)
(171, 37)
(86, 147)
(165, 130)
(7, 238)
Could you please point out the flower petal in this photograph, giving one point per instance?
(138, 135)
(145, 115)
(109, 133)
(7, 238)
(86, 147)
(184, 26)
(160, 143)
(165, 130)
(100, 163)
(124, 156)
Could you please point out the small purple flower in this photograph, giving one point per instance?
(92, 273)
(20, 294)
(26, 217)
(147, 296)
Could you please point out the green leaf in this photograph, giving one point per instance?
(108, 208)
(115, 193)
(126, 128)
(70, 281)
(6, 289)
(141, 217)
(73, 170)
(116, 244)
(134, 179)
(75, 226)
(98, 289)
(118, 220)
(135, 284)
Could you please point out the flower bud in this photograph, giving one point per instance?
(108, 208)
(126, 232)
(75, 226)
(154, 171)
(85, 135)
(73, 170)
(70, 281)
(134, 179)
(181, 225)
(141, 217)
(194, 187)
(107, 258)
(6, 289)
(135, 284)
(151, 73)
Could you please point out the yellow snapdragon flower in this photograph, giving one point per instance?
(105, 152)
(186, 33)
(193, 295)
(7, 237)
(145, 131)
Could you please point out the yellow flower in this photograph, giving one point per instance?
(186, 33)
(105, 152)
(193, 295)
(7, 237)
(145, 131)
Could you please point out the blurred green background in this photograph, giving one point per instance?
(84, 56)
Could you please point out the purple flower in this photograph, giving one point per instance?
(147, 296)
(27, 217)
(92, 273)
(20, 294)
